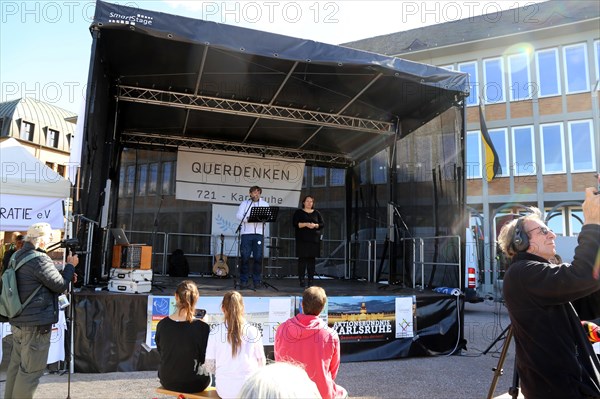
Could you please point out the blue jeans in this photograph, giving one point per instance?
(251, 244)
(27, 361)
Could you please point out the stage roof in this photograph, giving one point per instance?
(181, 81)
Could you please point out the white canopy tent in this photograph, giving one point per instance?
(30, 192)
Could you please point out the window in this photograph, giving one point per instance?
(500, 142)
(130, 180)
(493, 76)
(473, 164)
(2, 126)
(556, 222)
(548, 74)
(305, 178)
(379, 168)
(520, 82)
(318, 176)
(50, 165)
(471, 69)
(448, 67)
(423, 158)
(142, 179)
(576, 73)
(122, 182)
(581, 142)
(363, 172)
(403, 161)
(167, 172)
(69, 137)
(575, 221)
(152, 178)
(523, 156)
(596, 50)
(336, 177)
(27, 131)
(60, 169)
(52, 138)
(553, 160)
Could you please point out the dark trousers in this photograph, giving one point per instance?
(308, 265)
(251, 245)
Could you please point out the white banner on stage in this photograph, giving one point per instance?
(223, 177)
(18, 212)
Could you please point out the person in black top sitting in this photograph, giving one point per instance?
(178, 264)
(181, 341)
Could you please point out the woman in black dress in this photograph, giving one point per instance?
(181, 341)
(308, 224)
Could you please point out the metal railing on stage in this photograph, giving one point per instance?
(337, 259)
(452, 250)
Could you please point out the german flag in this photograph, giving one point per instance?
(492, 163)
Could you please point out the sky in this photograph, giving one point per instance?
(45, 45)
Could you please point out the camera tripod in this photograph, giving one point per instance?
(513, 391)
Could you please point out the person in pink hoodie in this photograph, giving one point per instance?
(306, 339)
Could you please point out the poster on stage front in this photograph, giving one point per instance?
(266, 313)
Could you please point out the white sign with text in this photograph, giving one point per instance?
(223, 177)
(18, 212)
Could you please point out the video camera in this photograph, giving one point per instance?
(71, 244)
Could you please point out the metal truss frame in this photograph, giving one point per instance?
(250, 109)
(159, 140)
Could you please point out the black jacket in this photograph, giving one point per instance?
(43, 308)
(554, 357)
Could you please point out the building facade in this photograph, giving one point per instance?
(44, 129)
(535, 72)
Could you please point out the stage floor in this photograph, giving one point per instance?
(287, 286)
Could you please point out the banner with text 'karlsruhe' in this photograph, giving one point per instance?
(225, 177)
(18, 212)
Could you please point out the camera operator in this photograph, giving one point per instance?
(554, 358)
(31, 330)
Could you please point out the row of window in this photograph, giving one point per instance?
(52, 135)
(518, 149)
(154, 178)
(563, 222)
(512, 76)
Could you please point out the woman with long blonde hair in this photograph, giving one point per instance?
(181, 340)
(235, 348)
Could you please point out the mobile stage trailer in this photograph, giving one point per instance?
(158, 83)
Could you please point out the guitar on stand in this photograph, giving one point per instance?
(220, 268)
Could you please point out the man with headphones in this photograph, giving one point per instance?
(554, 357)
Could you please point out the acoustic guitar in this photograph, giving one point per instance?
(220, 269)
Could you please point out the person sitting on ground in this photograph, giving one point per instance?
(308, 340)
(18, 244)
(178, 264)
(279, 380)
(181, 341)
(235, 348)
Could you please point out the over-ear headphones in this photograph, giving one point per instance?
(520, 242)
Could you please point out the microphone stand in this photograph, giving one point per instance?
(401, 219)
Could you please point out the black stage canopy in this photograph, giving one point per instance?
(161, 81)
(181, 81)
